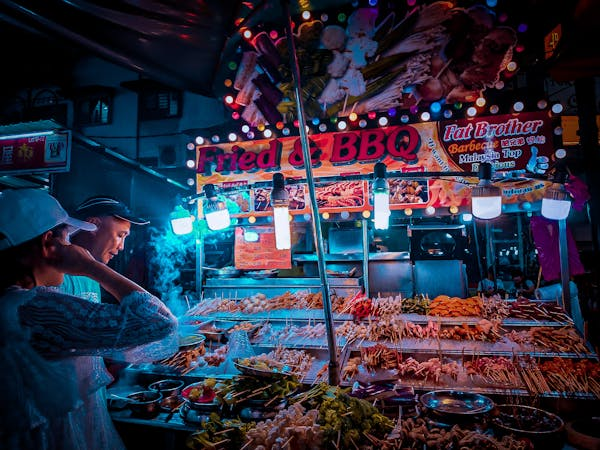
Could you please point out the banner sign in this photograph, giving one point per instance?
(522, 143)
(260, 251)
(35, 153)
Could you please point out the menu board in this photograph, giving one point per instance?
(254, 249)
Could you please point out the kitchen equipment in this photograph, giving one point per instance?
(240, 364)
(456, 405)
(167, 388)
(145, 403)
(223, 272)
(544, 429)
(191, 341)
(261, 274)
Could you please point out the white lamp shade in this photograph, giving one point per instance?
(381, 210)
(182, 225)
(555, 209)
(218, 220)
(283, 239)
(486, 207)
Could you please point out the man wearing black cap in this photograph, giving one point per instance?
(113, 221)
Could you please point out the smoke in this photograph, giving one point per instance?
(168, 255)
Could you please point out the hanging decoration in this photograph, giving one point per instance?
(373, 59)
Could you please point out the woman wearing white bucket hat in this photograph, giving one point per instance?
(39, 326)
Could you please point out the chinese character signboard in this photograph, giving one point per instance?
(35, 152)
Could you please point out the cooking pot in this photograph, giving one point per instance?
(145, 403)
(167, 388)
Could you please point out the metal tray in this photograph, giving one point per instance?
(456, 403)
(253, 371)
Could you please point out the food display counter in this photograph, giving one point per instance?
(503, 349)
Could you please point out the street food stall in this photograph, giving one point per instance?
(392, 110)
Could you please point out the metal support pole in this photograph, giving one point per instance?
(317, 232)
(365, 260)
(490, 256)
(563, 252)
(199, 265)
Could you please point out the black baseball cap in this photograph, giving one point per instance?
(100, 206)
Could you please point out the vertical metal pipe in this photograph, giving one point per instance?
(489, 248)
(563, 252)
(317, 232)
(199, 265)
(365, 259)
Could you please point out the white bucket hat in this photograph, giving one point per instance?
(27, 213)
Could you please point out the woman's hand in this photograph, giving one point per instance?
(71, 259)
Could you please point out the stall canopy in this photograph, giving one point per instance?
(185, 44)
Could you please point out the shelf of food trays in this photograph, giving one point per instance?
(478, 372)
(309, 365)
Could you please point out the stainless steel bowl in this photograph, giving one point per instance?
(167, 388)
(544, 429)
(145, 403)
(457, 405)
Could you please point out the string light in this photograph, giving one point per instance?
(448, 113)
(362, 123)
(306, 15)
(323, 128)
(366, 214)
(453, 209)
(494, 109)
(245, 128)
(191, 181)
(229, 99)
(541, 104)
(430, 210)
(251, 219)
(232, 137)
(383, 121)
(408, 212)
(190, 146)
(190, 163)
(325, 215)
(480, 102)
(471, 111)
(352, 117)
(404, 118)
(511, 66)
(518, 106)
(557, 108)
(247, 33)
(267, 133)
(425, 116)
(215, 138)
(199, 140)
(342, 125)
